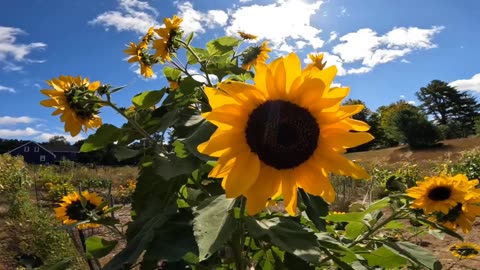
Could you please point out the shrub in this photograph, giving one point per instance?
(417, 131)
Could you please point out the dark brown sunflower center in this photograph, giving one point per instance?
(282, 134)
(77, 212)
(439, 193)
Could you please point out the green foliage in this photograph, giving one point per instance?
(415, 129)
(97, 247)
(468, 164)
(450, 108)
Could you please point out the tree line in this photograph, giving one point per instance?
(443, 113)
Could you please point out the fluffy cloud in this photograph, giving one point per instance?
(370, 49)
(13, 133)
(193, 20)
(6, 89)
(472, 84)
(8, 120)
(132, 15)
(44, 137)
(269, 22)
(13, 54)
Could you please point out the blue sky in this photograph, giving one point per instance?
(384, 50)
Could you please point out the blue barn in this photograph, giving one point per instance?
(35, 153)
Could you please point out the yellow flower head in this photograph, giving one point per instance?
(165, 45)
(465, 250)
(174, 85)
(438, 193)
(70, 97)
(317, 61)
(247, 36)
(140, 54)
(71, 210)
(255, 55)
(287, 131)
(147, 38)
(462, 215)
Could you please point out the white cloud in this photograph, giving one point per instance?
(44, 137)
(200, 77)
(8, 133)
(472, 84)
(12, 53)
(244, 1)
(9, 120)
(7, 89)
(132, 15)
(193, 20)
(270, 22)
(333, 36)
(402, 97)
(370, 49)
(405, 61)
(412, 102)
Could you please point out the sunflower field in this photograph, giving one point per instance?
(244, 165)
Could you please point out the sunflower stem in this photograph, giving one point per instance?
(131, 121)
(239, 237)
(375, 229)
(192, 51)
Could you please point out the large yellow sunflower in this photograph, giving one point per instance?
(71, 210)
(255, 55)
(165, 45)
(438, 193)
(70, 96)
(465, 250)
(286, 131)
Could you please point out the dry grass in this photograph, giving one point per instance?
(450, 150)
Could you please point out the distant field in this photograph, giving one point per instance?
(450, 150)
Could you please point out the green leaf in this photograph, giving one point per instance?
(189, 38)
(201, 134)
(354, 229)
(179, 149)
(173, 240)
(337, 247)
(122, 153)
(223, 66)
(287, 235)
(97, 247)
(105, 135)
(171, 166)
(172, 74)
(316, 208)
(223, 45)
(415, 254)
(61, 265)
(213, 225)
(138, 243)
(380, 204)
(385, 258)
(147, 99)
(347, 217)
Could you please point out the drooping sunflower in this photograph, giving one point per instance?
(438, 193)
(465, 250)
(255, 55)
(140, 54)
(71, 97)
(286, 131)
(166, 45)
(247, 36)
(71, 210)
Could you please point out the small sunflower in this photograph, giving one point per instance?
(140, 54)
(462, 215)
(286, 131)
(255, 55)
(317, 61)
(71, 210)
(465, 250)
(247, 36)
(438, 193)
(166, 45)
(71, 96)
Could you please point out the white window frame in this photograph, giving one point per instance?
(36, 149)
(26, 149)
(42, 157)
